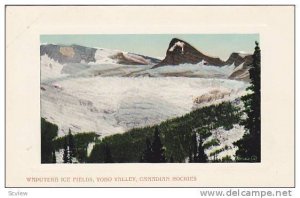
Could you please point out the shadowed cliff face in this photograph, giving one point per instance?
(242, 64)
(237, 59)
(180, 52)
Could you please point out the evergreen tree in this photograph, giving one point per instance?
(158, 155)
(48, 133)
(190, 159)
(201, 157)
(227, 158)
(53, 157)
(108, 157)
(195, 148)
(71, 144)
(147, 154)
(66, 157)
(250, 145)
(154, 153)
(82, 154)
(69, 156)
(171, 159)
(198, 154)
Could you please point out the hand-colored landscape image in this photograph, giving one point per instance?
(150, 98)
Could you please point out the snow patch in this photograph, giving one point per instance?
(226, 139)
(90, 148)
(243, 54)
(60, 157)
(102, 56)
(179, 44)
(50, 69)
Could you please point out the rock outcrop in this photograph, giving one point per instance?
(133, 59)
(238, 58)
(180, 52)
(242, 63)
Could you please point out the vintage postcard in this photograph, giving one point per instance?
(111, 96)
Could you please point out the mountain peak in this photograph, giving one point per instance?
(180, 52)
(238, 58)
(177, 43)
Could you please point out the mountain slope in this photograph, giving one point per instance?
(183, 54)
(63, 60)
(180, 52)
(242, 63)
(68, 54)
(80, 54)
(238, 58)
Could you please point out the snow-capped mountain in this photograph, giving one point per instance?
(80, 54)
(181, 52)
(60, 61)
(182, 60)
(109, 91)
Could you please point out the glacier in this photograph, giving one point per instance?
(109, 98)
(50, 69)
(110, 105)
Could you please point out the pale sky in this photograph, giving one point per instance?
(155, 45)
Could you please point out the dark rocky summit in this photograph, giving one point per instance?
(180, 52)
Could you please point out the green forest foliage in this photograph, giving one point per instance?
(250, 145)
(176, 135)
(196, 151)
(48, 133)
(154, 152)
(75, 146)
(81, 140)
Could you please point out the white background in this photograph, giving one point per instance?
(113, 192)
